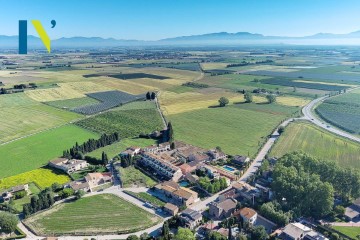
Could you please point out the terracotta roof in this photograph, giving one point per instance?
(247, 212)
(171, 207)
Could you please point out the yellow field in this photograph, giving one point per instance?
(292, 101)
(67, 90)
(43, 177)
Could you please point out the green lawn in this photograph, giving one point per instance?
(18, 204)
(114, 149)
(352, 232)
(131, 176)
(319, 143)
(234, 129)
(105, 213)
(35, 151)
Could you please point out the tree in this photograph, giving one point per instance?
(145, 236)
(66, 192)
(153, 95)
(132, 237)
(8, 222)
(339, 210)
(20, 194)
(216, 236)
(281, 129)
(170, 131)
(56, 187)
(223, 101)
(148, 97)
(79, 194)
(166, 231)
(271, 98)
(184, 234)
(259, 233)
(248, 97)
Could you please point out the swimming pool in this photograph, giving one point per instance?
(230, 169)
(184, 183)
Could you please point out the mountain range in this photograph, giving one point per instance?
(220, 38)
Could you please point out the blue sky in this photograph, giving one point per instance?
(157, 19)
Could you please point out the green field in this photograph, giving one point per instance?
(105, 213)
(116, 148)
(352, 232)
(234, 129)
(73, 103)
(21, 116)
(129, 123)
(43, 177)
(131, 176)
(35, 151)
(318, 143)
(137, 105)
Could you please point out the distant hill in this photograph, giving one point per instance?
(220, 38)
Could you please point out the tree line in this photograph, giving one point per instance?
(90, 145)
(150, 96)
(212, 186)
(307, 185)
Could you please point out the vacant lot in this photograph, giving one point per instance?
(104, 213)
(319, 143)
(43, 177)
(235, 130)
(131, 177)
(21, 116)
(34, 151)
(129, 123)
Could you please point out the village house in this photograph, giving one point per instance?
(191, 218)
(188, 167)
(222, 209)
(131, 151)
(162, 147)
(96, 179)
(176, 194)
(171, 209)
(68, 165)
(79, 185)
(246, 191)
(251, 216)
(216, 155)
(162, 166)
(240, 160)
(7, 195)
(299, 231)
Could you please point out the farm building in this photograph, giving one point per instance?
(68, 165)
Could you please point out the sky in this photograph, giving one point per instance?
(158, 19)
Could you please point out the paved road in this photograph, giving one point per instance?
(310, 115)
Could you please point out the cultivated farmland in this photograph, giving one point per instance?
(235, 130)
(342, 111)
(128, 123)
(21, 116)
(107, 101)
(34, 151)
(319, 143)
(98, 214)
(128, 76)
(73, 103)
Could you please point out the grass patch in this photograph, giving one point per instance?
(116, 148)
(303, 136)
(35, 151)
(131, 176)
(18, 204)
(147, 198)
(105, 213)
(352, 232)
(42, 177)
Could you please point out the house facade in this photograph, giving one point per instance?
(68, 165)
(222, 209)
